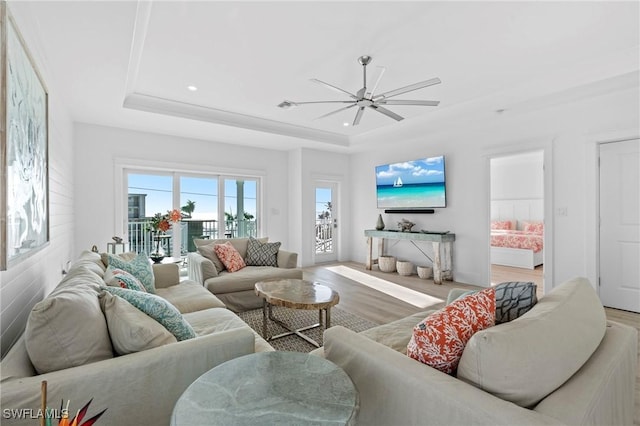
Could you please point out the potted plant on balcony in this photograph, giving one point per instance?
(159, 225)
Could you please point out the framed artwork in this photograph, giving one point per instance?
(24, 156)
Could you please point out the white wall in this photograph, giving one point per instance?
(27, 282)
(99, 148)
(517, 177)
(568, 131)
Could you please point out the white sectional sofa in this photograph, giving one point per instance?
(563, 356)
(139, 388)
(237, 289)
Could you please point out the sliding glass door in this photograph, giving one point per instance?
(211, 206)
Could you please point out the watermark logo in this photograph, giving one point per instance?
(50, 416)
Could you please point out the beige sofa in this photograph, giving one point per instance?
(237, 289)
(138, 388)
(560, 363)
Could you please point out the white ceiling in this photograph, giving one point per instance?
(128, 64)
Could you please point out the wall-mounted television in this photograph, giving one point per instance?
(412, 185)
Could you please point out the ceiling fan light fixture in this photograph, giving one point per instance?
(367, 98)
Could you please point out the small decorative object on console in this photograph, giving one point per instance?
(380, 223)
(405, 225)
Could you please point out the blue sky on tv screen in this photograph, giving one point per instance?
(426, 170)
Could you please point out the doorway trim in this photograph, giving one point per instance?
(523, 148)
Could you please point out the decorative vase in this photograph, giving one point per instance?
(405, 268)
(158, 252)
(387, 263)
(380, 223)
(425, 272)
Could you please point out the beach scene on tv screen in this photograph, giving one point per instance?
(411, 184)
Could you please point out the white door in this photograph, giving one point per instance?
(326, 222)
(620, 225)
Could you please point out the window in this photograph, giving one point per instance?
(203, 201)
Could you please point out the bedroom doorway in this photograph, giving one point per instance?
(517, 218)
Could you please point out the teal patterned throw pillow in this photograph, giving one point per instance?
(262, 254)
(140, 267)
(157, 308)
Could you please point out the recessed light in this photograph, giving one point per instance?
(192, 88)
(345, 124)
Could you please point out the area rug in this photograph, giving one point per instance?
(300, 318)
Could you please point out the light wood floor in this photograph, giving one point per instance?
(373, 305)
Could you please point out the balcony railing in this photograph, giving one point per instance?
(141, 240)
(324, 236)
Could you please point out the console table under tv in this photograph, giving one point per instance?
(437, 239)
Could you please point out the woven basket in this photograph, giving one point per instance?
(387, 263)
(404, 268)
(425, 272)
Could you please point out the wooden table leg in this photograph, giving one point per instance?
(369, 263)
(448, 262)
(437, 264)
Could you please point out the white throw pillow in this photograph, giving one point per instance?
(130, 329)
(526, 359)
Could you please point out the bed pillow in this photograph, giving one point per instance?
(140, 267)
(157, 308)
(130, 329)
(501, 224)
(440, 338)
(229, 256)
(261, 253)
(533, 227)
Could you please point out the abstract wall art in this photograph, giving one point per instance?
(24, 202)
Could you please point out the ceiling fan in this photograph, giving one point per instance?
(366, 97)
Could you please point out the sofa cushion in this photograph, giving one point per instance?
(261, 253)
(439, 339)
(140, 267)
(92, 261)
(247, 277)
(118, 278)
(526, 359)
(189, 296)
(158, 309)
(229, 256)
(209, 252)
(130, 329)
(396, 334)
(239, 243)
(68, 328)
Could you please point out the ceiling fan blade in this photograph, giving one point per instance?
(334, 88)
(321, 102)
(356, 120)
(399, 102)
(379, 71)
(409, 88)
(386, 112)
(338, 110)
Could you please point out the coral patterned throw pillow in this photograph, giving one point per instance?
(229, 256)
(440, 338)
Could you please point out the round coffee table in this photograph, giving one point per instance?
(269, 388)
(296, 294)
